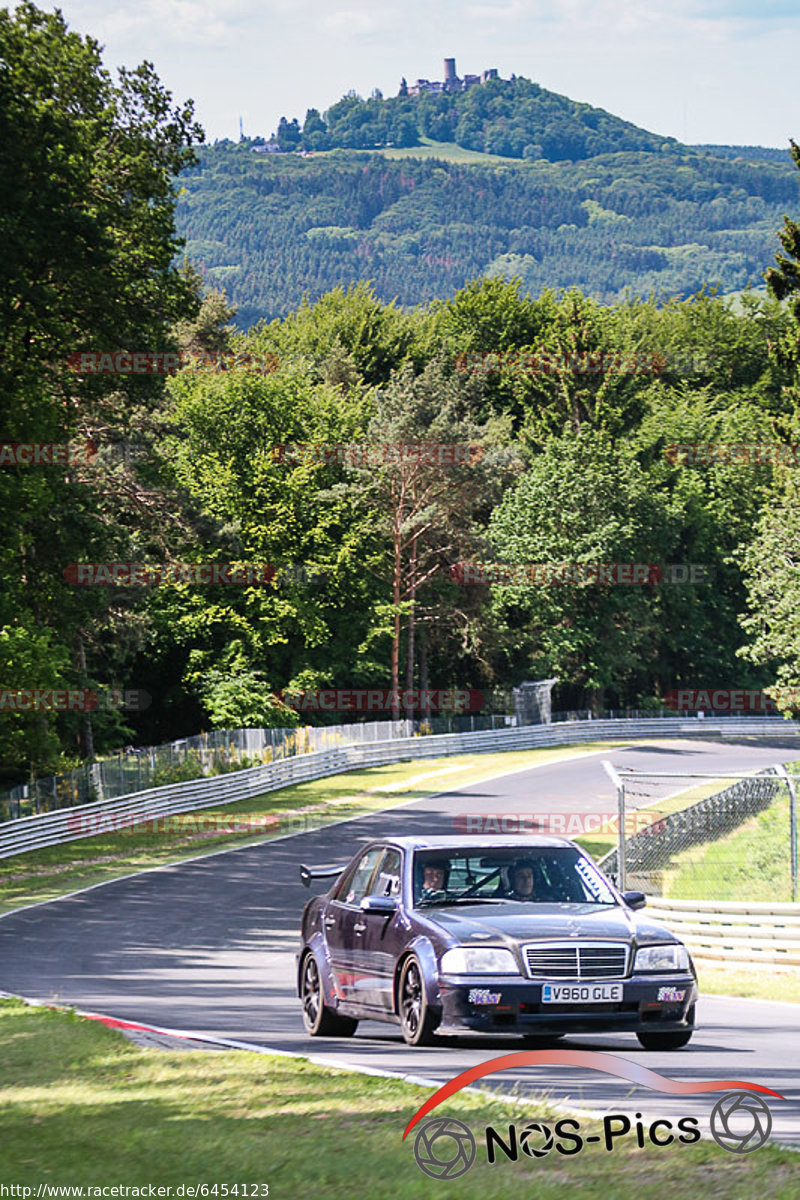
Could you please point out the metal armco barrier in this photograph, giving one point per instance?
(732, 932)
(68, 825)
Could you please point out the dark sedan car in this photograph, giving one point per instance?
(495, 935)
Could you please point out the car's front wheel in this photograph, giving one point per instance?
(416, 1019)
(669, 1041)
(319, 1020)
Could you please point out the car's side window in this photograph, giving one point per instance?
(387, 877)
(355, 884)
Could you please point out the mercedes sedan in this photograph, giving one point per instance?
(515, 935)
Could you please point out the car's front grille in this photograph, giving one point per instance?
(571, 960)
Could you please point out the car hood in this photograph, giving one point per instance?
(532, 922)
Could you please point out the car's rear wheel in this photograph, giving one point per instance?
(416, 1019)
(319, 1020)
(669, 1041)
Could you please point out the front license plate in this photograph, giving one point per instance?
(580, 993)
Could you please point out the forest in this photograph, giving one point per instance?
(326, 442)
(273, 228)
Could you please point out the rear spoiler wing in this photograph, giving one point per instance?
(311, 874)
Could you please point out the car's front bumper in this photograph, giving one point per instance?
(514, 1005)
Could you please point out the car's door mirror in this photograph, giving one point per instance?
(634, 899)
(379, 904)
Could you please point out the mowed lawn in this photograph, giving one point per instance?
(80, 1105)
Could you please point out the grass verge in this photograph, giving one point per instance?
(79, 1105)
(756, 983)
(56, 870)
(750, 863)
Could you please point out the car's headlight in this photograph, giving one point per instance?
(478, 960)
(671, 956)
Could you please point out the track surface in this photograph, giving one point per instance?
(208, 946)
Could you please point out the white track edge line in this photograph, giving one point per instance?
(334, 1064)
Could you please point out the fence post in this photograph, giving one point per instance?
(781, 770)
(612, 772)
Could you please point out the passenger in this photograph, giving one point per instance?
(522, 880)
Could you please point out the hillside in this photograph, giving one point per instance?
(515, 118)
(273, 227)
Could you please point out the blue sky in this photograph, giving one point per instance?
(699, 70)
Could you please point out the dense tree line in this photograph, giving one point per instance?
(513, 117)
(270, 229)
(569, 462)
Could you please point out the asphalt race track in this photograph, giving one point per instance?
(208, 946)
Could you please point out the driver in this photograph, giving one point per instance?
(434, 880)
(521, 880)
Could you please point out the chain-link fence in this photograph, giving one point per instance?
(214, 753)
(708, 838)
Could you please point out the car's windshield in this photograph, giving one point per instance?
(539, 875)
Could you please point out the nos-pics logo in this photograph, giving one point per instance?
(445, 1148)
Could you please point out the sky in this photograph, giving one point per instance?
(703, 71)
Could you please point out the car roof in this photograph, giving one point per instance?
(451, 842)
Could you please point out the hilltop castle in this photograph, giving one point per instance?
(450, 83)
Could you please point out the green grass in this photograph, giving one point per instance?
(447, 151)
(751, 863)
(79, 1105)
(600, 843)
(759, 982)
(45, 874)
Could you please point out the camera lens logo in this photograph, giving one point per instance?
(536, 1139)
(444, 1148)
(740, 1122)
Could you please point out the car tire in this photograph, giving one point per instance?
(417, 1020)
(669, 1041)
(319, 1020)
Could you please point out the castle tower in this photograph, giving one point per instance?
(451, 80)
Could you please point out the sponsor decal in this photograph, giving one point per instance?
(670, 993)
(484, 996)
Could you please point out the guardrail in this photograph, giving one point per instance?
(72, 824)
(730, 932)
